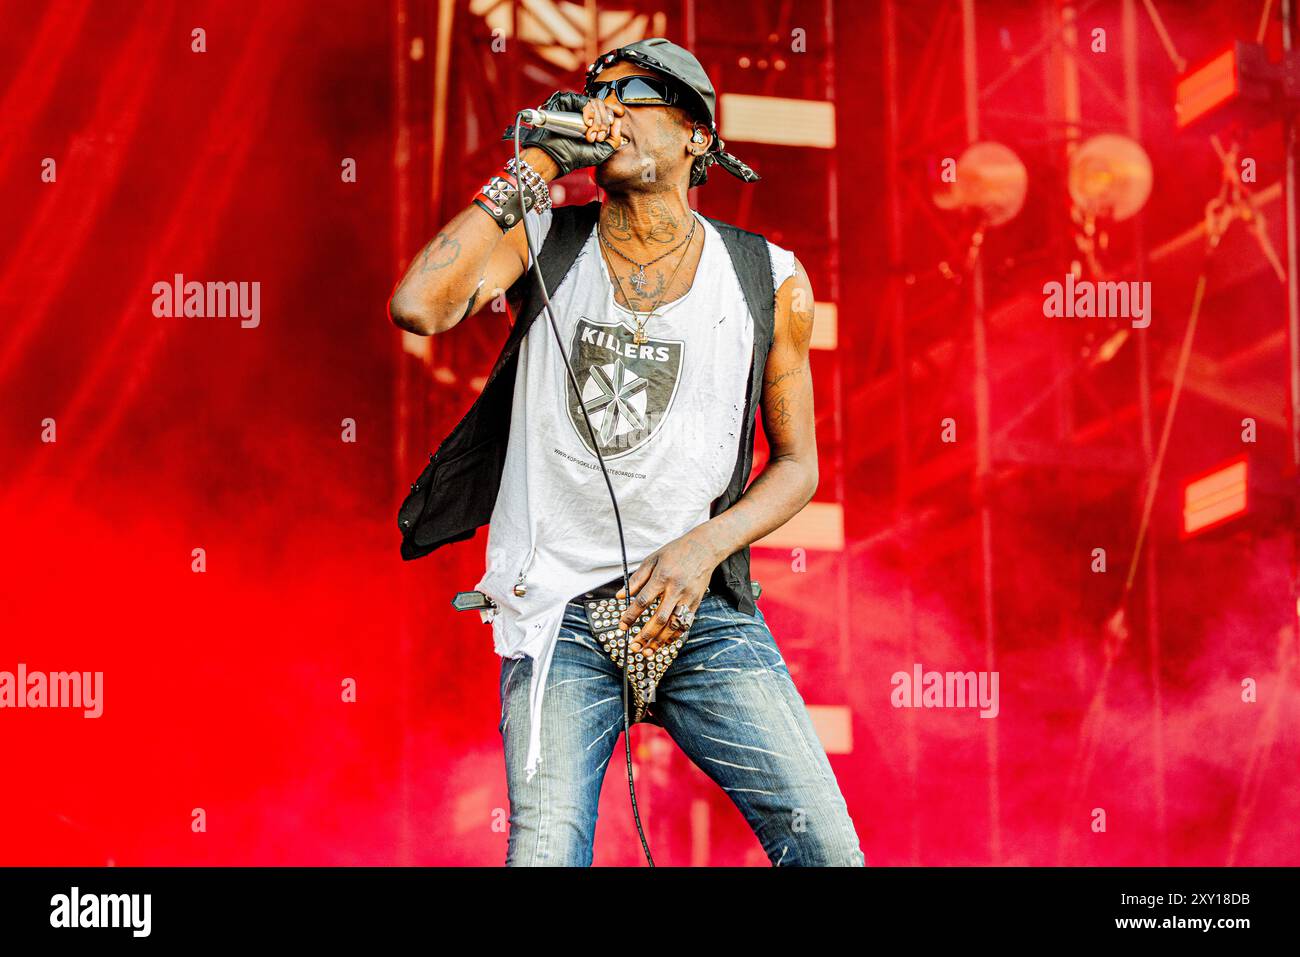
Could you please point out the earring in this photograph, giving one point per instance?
(698, 137)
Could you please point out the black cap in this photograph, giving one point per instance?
(664, 56)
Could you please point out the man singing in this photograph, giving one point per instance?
(676, 328)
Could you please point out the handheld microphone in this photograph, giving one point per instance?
(564, 124)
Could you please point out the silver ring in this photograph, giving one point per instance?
(685, 615)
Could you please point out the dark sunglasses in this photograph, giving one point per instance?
(637, 90)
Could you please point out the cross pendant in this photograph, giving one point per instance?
(638, 280)
(640, 338)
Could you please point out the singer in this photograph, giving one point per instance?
(678, 329)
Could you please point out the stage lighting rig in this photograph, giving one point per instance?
(1239, 85)
(990, 182)
(1109, 181)
(989, 188)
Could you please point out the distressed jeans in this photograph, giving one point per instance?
(729, 703)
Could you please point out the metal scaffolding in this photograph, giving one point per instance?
(929, 355)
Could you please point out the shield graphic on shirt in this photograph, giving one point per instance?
(627, 389)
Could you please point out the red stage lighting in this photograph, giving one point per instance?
(1239, 85)
(1206, 88)
(1215, 497)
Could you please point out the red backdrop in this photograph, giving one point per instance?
(223, 690)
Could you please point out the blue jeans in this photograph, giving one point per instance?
(729, 703)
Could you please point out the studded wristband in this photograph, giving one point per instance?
(502, 199)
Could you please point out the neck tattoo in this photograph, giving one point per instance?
(640, 338)
(638, 277)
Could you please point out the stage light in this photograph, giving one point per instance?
(1216, 497)
(1110, 177)
(817, 525)
(777, 120)
(1239, 85)
(834, 727)
(1206, 88)
(990, 181)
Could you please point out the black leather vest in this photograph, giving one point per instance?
(457, 490)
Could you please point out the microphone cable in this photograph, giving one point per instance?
(618, 518)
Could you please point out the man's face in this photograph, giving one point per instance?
(654, 156)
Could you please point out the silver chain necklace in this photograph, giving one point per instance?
(638, 278)
(640, 337)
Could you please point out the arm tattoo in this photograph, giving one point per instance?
(801, 335)
(782, 377)
(781, 414)
(442, 251)
(801, 326)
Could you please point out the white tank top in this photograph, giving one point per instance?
(667, 416)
